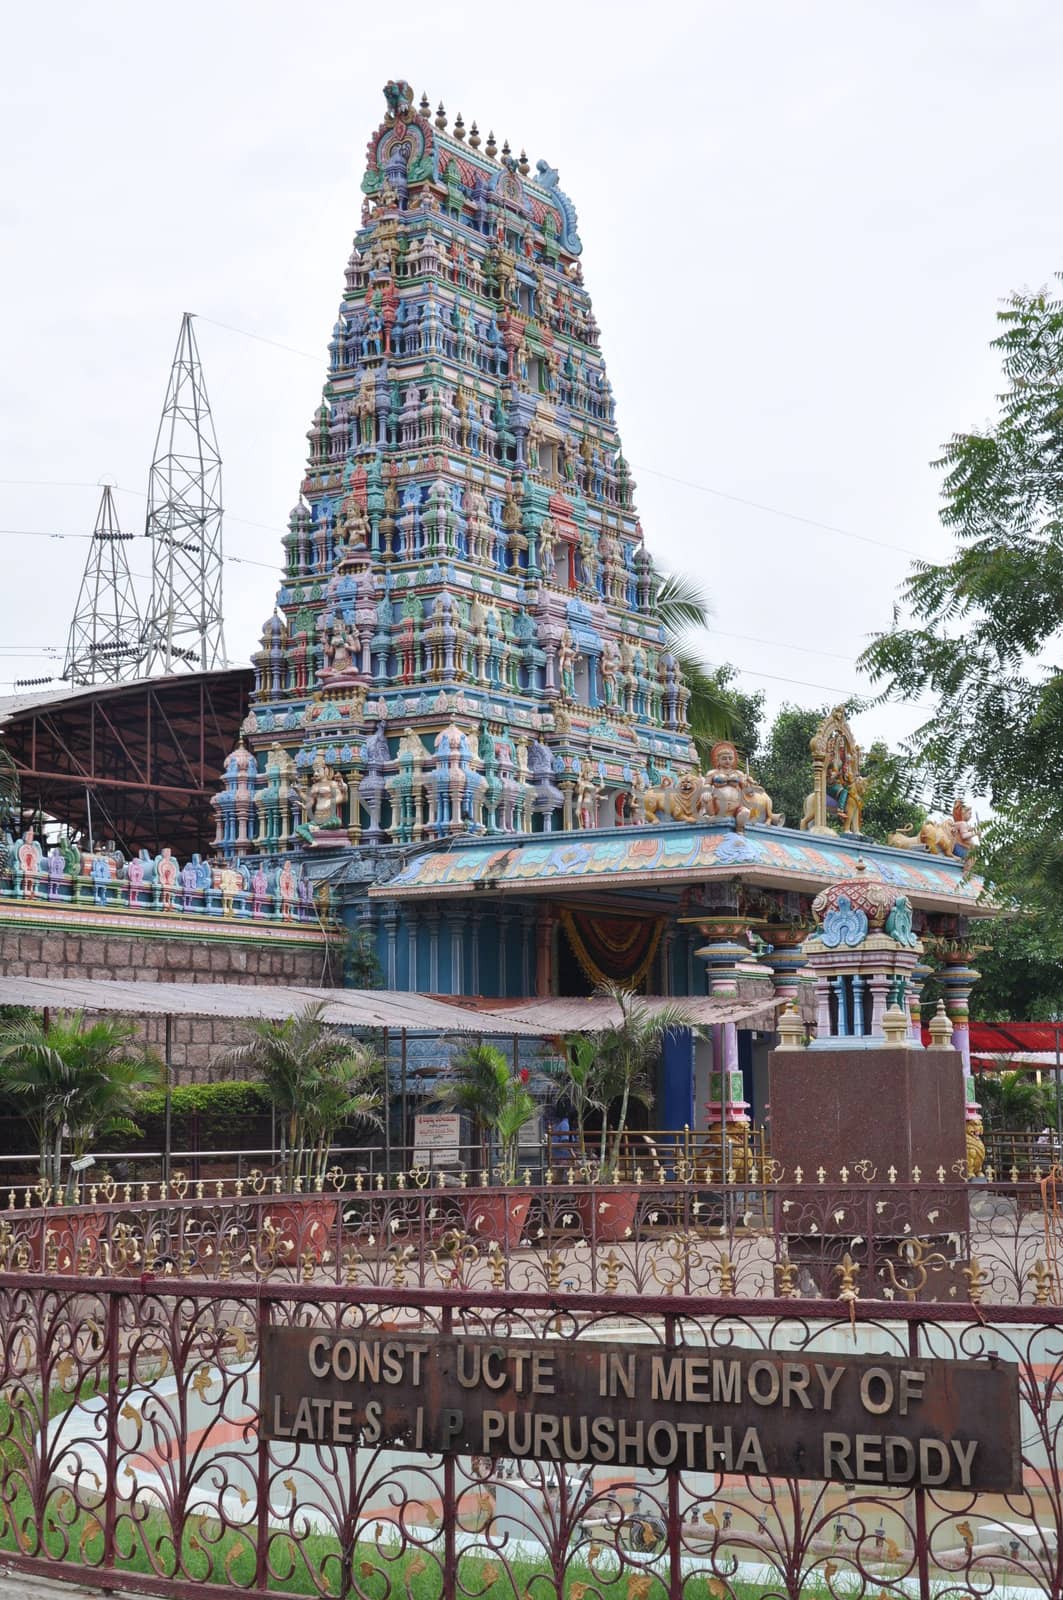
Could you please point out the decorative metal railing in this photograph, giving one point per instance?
(131, 1457)
(999, 1243)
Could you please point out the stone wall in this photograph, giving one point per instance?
(42, 942)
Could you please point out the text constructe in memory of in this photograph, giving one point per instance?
(855, 1419)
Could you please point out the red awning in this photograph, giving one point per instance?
(1001, 1038)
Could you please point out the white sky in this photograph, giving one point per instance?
(797, 219)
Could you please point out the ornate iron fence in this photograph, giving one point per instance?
(940, 1240)
(130, 1456)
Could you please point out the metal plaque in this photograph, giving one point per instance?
(850, 1419)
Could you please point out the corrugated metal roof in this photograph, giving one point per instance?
(360, 1008)
(588, 1015)
(13, 705)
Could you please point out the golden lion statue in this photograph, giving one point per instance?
(674, 802)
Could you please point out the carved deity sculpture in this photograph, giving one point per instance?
(944, 836)
(726, 785)
(588, 789)
(322, 797)
(838, 785)
(566, 660)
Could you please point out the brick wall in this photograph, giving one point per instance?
(38, 942)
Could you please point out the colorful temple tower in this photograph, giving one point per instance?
(464, 638)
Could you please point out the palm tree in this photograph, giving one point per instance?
(319, 1079)
(76, 1084)
(482, 1083)
(625, 1060)
(681, 604)
(1011, 1101)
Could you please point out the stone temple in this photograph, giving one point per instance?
(467, 732)
(464, 640)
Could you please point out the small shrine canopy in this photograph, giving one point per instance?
(361, 1008)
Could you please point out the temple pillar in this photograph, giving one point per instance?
(502, 921)
(354, 810)
(665, 956)
(476, 921)
(785, 959)
(432, 924)
(456, 919)
(527, 928)
(568, 789)
(412, 932)
(728, 956)
(544, 953)
(391, 929)
(957, 980)
(916, 983)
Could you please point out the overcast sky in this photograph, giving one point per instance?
(797, 218)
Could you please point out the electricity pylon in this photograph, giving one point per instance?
(183, 627)
(105, 645)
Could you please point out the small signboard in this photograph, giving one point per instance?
(848, 1419)
(437, 1139)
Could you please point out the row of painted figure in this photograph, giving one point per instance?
(62, 872)
(482, 526)
(360, 643)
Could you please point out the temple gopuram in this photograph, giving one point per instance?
(467, 735)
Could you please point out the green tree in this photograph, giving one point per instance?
(784, 765)
(481, 1082)
(890, 802)
(1021, 972)
(714, 711)
(984, 624)
(1013, 1101)
(75, 1083)
(319, 1079)
(625, 1061)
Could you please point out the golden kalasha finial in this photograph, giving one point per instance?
(791, 1029)
(506, 151)
(441, 118)
(425, 106)
(491, 147)
(894, 1027)
(459, 127)
(940, 1029)
(523, 166)
(474, 137)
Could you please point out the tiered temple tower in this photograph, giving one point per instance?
(464, 637)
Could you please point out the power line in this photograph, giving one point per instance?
(260, 338)
(670, 477)
(777, 511)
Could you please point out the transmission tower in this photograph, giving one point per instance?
(105, 645)
(183, 627)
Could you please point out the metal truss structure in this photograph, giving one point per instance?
(183, 626)
(133, 762)
(105, 643)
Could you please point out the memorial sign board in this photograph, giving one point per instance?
(437, 1139)
(852, 1419)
